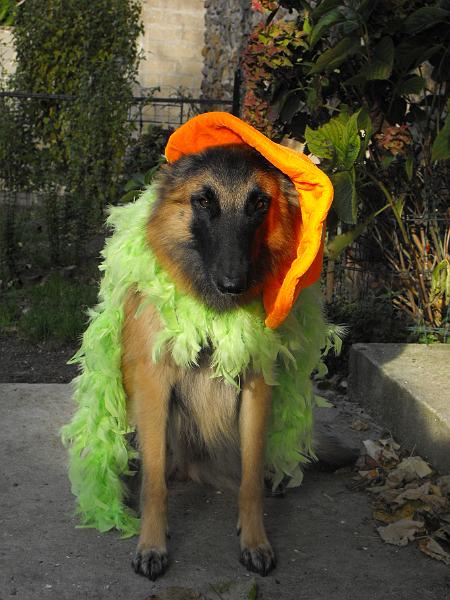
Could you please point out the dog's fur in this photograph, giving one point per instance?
(208, 230)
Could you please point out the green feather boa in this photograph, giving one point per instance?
(99, 450)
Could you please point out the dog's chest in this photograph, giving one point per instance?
(209, 402)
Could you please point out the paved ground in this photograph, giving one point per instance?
(324, 534)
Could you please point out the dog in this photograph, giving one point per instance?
(207, 229)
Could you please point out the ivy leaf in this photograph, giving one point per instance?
(409, 164)
(132, 184)
(324, 7)
(409, 54)
(383, 59)
(380, 67)
(336, 55)
(344, 202)
(130, 196)
(290, 106)
(340, 242)
(139, 179)
(324, 23)
(148, 177)
(318, 143)
(424, 18)
(412, 85)
(441, 145)
(337, 140)
(366, 8)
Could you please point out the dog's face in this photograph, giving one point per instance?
(209, 224)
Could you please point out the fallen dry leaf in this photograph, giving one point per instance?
(404, 492)
(445, 518)
(416, 465)
(444, 484)
(405, 512)
(389, 443)
(373, 449)
(401, 532)
(382, 451)
(408, 470)
(359, 425)
(413, 493)
(371, 475)
(432, 548)
(443, 533)
(422, 493)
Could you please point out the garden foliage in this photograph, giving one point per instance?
(68, 149)
(364, 85)
(7, 10)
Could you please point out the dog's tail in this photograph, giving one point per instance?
(335, 444)
(331, 450)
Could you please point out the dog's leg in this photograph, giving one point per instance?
(151, 402)
(256, 552)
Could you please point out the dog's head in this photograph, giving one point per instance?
(209, 225)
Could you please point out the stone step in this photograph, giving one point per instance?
(406, 387)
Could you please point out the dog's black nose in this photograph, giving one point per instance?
(232, 285)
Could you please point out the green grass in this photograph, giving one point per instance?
(53, 310)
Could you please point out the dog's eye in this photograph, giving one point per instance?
(262, 204)
(204, 202)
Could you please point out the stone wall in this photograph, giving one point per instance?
(172, 45)
(191, 46)
(7, 52)
(227, 24)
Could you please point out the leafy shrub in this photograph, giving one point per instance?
(372, 319)
(7, 11)
(365, 86)
(55, 309)
(146, 151)
(84, 53)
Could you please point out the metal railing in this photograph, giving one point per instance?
(167, 111)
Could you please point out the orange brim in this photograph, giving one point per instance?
(313, 186)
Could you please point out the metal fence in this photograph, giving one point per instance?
(148, 108)
(170, 108)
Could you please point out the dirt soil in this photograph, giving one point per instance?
(22, 361)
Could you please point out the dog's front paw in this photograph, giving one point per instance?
(260, 560)
(150, 563)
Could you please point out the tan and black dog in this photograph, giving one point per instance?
(207, 229)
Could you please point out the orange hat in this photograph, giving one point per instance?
(313, 186)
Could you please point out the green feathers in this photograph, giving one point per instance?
(239, 340)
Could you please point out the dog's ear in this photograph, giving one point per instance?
(162, 177)
(288, 191)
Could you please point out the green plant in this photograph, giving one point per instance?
(146, 151)
(54, 309)
(372, 319)
(7, 12)
(138, 182)
(365, 85)
(143, 158)
(71, 145)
